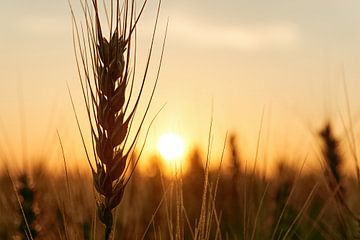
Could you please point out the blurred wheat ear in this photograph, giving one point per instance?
(27, 229)
(106, 66)
(334, 162)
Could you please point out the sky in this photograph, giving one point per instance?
(270, 70)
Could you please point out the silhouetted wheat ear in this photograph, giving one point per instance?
(332, 158)
(111, 124)
(27, 228)
(107, 79)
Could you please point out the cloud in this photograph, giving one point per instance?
(244, 37)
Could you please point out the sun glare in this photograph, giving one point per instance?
(171, 146)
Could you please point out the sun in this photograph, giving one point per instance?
(171, 146)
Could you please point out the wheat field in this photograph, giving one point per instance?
(199, 195)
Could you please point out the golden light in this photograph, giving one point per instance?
(171, 146)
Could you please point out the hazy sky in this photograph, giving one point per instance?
(286, 59)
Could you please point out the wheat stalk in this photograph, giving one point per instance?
(106, 66)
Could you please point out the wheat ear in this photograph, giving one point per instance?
(107, 75)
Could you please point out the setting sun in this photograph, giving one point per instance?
(171, 146)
